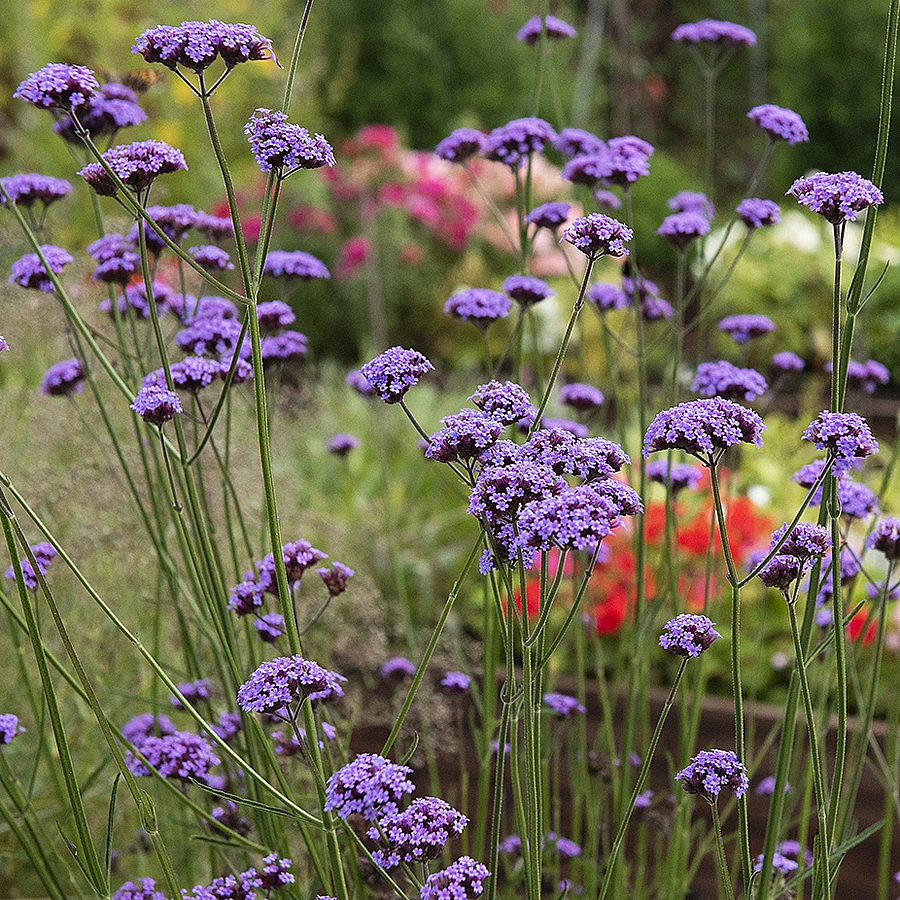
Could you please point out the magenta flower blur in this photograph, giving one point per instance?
(838, 198)
(461, 880)
(58, 86)
(846, 436)
(677, 475)
(417, 834)
(555, 30)
(294, 264)
(714, 31)
(283, 681)
(549, 215)
(563, 705)
(598, 235)
(43, 553)
(465, 435)
(137, 165)
(572, 142)
(886, 538)
(515, 141)
(370, 786)
(756, 213)
(398, 667)
(211, 258)
(682, 228)
(712, 771)
(688, 635)
(336, 578)
(156, 405)
(527, 291)
(582, 397)
(117, 259)
(455, 682)
(723, 379)
(341, 444)
(181, 756)
(26, 190)
(461, 145)
(481, 306)
(607, 296)
(779, 124)
(504, 403)
(394, 372)
(195, 45)
(63, 379)
(145, 889)
(744, 327)
(28, 271)
(703, 428)
(9, 727)
(278, 144)
(786, 361)
(692, 201)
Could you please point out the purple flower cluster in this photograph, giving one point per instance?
(711, 771)
(394, 372)
(461, 880)
(9, 727)
(211, 258)
(785, 361)
(417, 834)
(247, 885)
(465, 435)
(274, 314)
(677, 475)
(117, 259)
(294, 264)
(515, 141)
(26, 190)
(336, 577)
(714, 31)
(504, 403)
(838, 198)
(780, 863)
(398, 667)
(846, 436)
(212, 334)
(63, 379)
(461, 145)
(805, 544)
(756, 213)
(779, 123)
(156, 405)
(455, 682)
(688, 635)
(886, 538)
(621, 161)
(282, 681)
(341, 444)
(742, 328)
(370, 786)
(43, 553)
(868, 375)
(137, 165)
(549, 215)
(692, 201)
(145, 889)
(723, 379)
(113, 107)
(527, 291)
(196, 45)
(182, 756)
(193, 691)
(138, 728)
(481, 306)
(856, 500)
(598, 235)
(607, 296)
(174, 221)
(555, 30)
(582, 397)
(682, 228)
(572, 142)
(563, 705)
(703, 428)
(58, 86)
(279, 144)
(28, 271)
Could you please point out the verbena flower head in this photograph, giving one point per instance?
(274, 314)
(780, 864)
(341, 444)
(196, 45)
(779, 123)
(394, 372)
(886, 538)
(156, 405)
(193, 691)
(607, 296)
(688, 635)
(58, 86)
(356, 380)
(28, 271)
(515, 141)
(279, 144)
(113, 107)
(287, 345)
(846, 436)
(209, 334)
(138, 728)
(294, 264)
(417, 834)
(549, 215)
(527, 291)
(211, 258)
(781, 571)
(181, 756)
(678, 476)
(336, 577)
(856, 500)
(26, 190)
(562, 451)
(455, 682)
(145, 889)
(555, 30)
(116, 257)
(867, 375)
(582, 397)
(723, 379)
(298, 556)
(577, 142)
(607, 200)
(681, 228)
(786, 361)
(9, 727)
(744, 327)
(712, 771)
(481, 306)
(703, 427)
(805, 541)
(43, 553)
(246, 597)
(714, 31)
(626, 159)
(137, 165)
(63, 379)
(465, 435)
(216, 228)
(598, 235)
(3, 344)
(504, 403)
(838, 198)
(756, 213)
(370, 786)
(398, 667)
(282, 681)
(692, 201)
(563, 705)
(461, 880)
(461, 145)
(587, 169)
(269, 627)
(174, 221)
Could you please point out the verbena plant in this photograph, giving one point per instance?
(292, 809)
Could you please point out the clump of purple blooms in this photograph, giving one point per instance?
(465, 435)
(846, 436)
(182, 756)
(63, 379)
(28, 271)
(481, 306)
(156, 405)
(341, 444)
(461, 880)
(563, 705)
(549, 215)
(692, 201)
(746, 326)
(598, 235)
(712, 771)
(417, 834)
(9, 727)
(283, 681)
(581, 397)
(504, 403)
(294, 264)
(779, 124)
(370, 786)
(461, 145)
(886, 538)
(527, 291)
(571, 142)
(756, 213)
(839, 197)
(515, 141)
(336, 578)
(553, 28)
(398, 667)
(394, 372)
(197, 45)
(136, 165)
(455, 682)
(714, 31)
(279, 144)
(724, 379)
(683, 228)
(677, 475)
(58, 86)
(786, 361)
(28, 189)
(688, 635)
